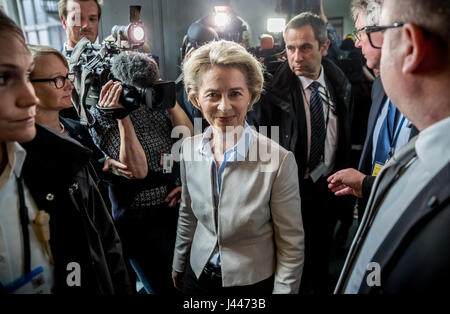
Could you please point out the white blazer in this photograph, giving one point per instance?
(259, 229)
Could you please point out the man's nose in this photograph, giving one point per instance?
(84, 23)
(298, 55)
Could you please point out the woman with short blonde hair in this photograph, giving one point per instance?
(240, 228)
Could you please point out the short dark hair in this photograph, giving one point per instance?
(308, 18)
(7, 25)
(62, 8)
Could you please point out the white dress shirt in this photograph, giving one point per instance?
(236, 153)
(331, 139)
(11, 237)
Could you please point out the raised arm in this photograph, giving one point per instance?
(131, 152)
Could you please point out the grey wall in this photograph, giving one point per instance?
(168, 20)
(338, 8)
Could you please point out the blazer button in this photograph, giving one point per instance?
(433, 202)
(50, 197)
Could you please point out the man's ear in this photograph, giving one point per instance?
(63, 22)
(324, 48)
(415, 47)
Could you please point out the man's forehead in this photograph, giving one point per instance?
(73, 5)
(304, 33)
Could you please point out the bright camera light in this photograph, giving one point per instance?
(276, 25)
(221, 19)
(138, 33)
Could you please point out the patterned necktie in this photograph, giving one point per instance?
(317, 126)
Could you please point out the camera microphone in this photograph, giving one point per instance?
(135, 69)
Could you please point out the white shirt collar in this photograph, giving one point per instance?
(307, 81)
(433, 145)
(241, 148)
(16, 157)
(67, 48)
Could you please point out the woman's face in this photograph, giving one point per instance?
(17, 97)
(224, 97)
(51, 98)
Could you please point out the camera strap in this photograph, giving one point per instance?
(86, 81)
(83, 84)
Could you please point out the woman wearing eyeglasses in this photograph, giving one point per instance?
(53, 85)
(52, 82)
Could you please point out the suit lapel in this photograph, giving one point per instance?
(382, 183)
(426, 204)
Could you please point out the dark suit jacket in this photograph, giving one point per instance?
(379, 97)
(415, 257)
(282, 105)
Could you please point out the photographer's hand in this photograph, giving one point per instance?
(109, 96)
(117, 168)
(131, 152)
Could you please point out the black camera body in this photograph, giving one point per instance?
(93, 65)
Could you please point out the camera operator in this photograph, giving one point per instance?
(79, 18)
(145, 208)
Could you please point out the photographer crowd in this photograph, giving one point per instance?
(103, 183)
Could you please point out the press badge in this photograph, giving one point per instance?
(377, 168)
(166, 162)
(31, 283)
(318, 172)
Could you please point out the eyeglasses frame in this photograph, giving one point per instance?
(376, 28)
(54, 80)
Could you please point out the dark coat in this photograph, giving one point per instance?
(282, 105)
(81, 229)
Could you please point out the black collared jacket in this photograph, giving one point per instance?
(81, 229)
(282, 105)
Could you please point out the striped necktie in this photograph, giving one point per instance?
(317, 126)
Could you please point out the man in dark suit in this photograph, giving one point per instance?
(402, 243)
(309, 99)
(381, 141)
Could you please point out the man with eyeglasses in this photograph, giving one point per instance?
(402, 245)
(387, 129)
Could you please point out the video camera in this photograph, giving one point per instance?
(120, 57)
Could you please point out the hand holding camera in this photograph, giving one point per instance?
(110, 94)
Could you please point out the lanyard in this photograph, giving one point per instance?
(393, 141)
(24, 221)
